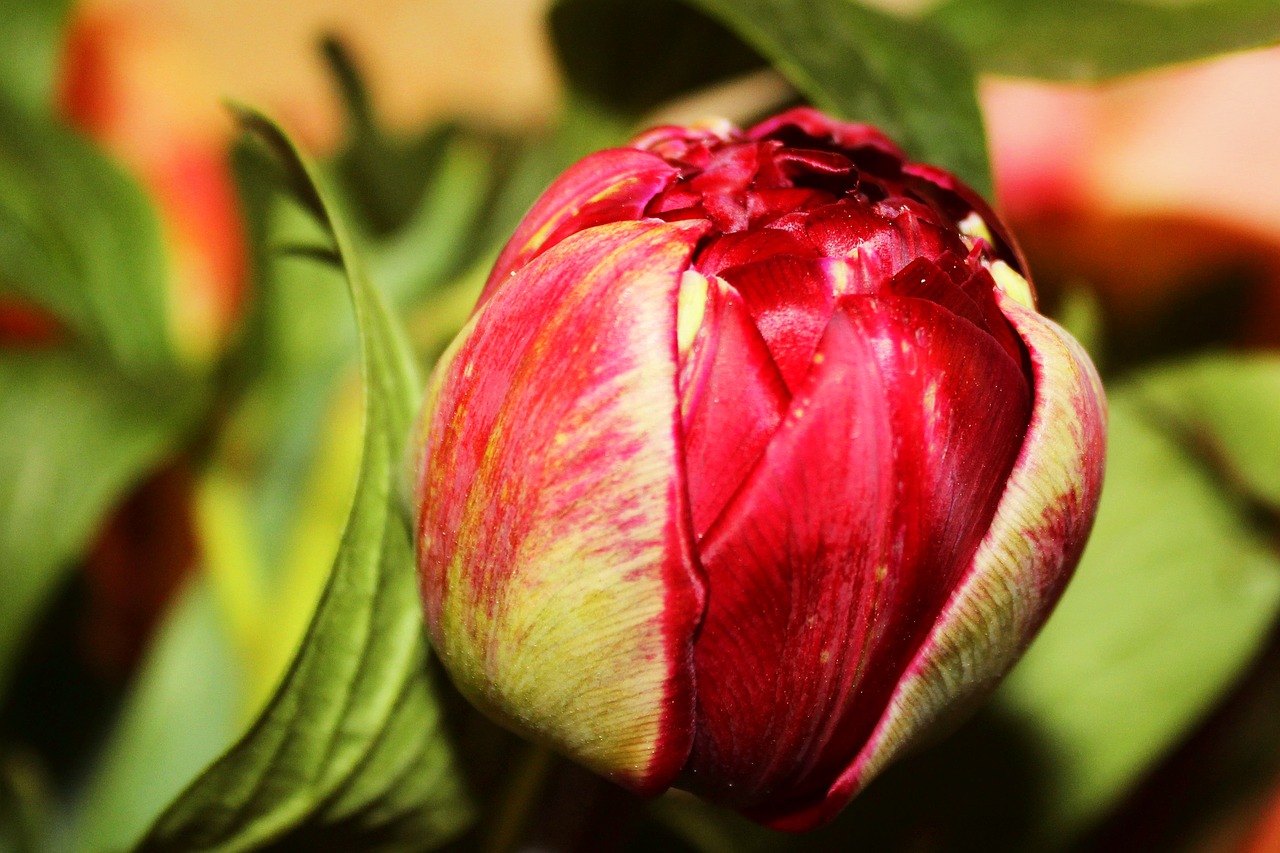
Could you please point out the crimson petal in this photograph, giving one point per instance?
(791, 299)
(733, 398)
(821, 552)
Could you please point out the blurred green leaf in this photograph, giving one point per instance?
(32, 34)
(79, 237)
(422, 201)
(25, 807)
(81, 420)
(628, 58)
(1229, 409)
(1174, 597)
(183, 710)
(904, 76)
(350, 752)
(73, 436)
(1096, 39)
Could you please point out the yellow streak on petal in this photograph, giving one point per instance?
(1012, 284)
(974, 227)
(691, 310)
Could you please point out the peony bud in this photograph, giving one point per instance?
(754, 462)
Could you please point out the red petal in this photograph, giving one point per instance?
(827, 569)
(607, 186)
(556, 557)
(1014, 578)
(791, 300)
(817, 125)
(744, 247)
(733, 398)
(957, 287)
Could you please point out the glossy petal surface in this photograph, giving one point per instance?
(1020, 569)
(733, 399)
(554, 542)
(825, 571)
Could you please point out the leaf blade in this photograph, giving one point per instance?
(1100, 39)
(322, 764)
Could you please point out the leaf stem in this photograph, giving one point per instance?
(523, 793)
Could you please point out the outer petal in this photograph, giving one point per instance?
(826, 570)
(554, 541)
(607, 186)
(1018, 572)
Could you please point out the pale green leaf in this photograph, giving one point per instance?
(1096, 39)
(1229, 408)
(182, 712)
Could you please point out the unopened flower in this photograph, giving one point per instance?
(754, 462)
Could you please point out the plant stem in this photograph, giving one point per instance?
(523, 793)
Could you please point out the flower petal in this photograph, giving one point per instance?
(607, 186)
(825, 570)
(732, 398)
(554, 542)
(1019, 571)
(790, 299)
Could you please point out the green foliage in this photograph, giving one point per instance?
(31, 32)
(351, 748)
(72, 438)
(1177, 590)
(83, 420)
(80, 238)
(904, 76)
(172, 727)
(1097, 39)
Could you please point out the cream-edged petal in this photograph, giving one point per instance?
(554, 534)
(1020, 568)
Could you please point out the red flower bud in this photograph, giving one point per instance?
(754, 461)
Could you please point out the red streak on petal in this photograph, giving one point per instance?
(525, 447)
(608, 186)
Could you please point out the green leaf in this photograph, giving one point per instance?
(628, 58)
(350, 752)
(1228, 407)
(1097, 39)
(172, 726)
(31, 32)
(904, 76)
(81, 238)
(1175, 595)
(72, 438)
(25, 806)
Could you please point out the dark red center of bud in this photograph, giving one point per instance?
(805, 215)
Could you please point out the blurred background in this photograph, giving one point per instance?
(192, 415)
